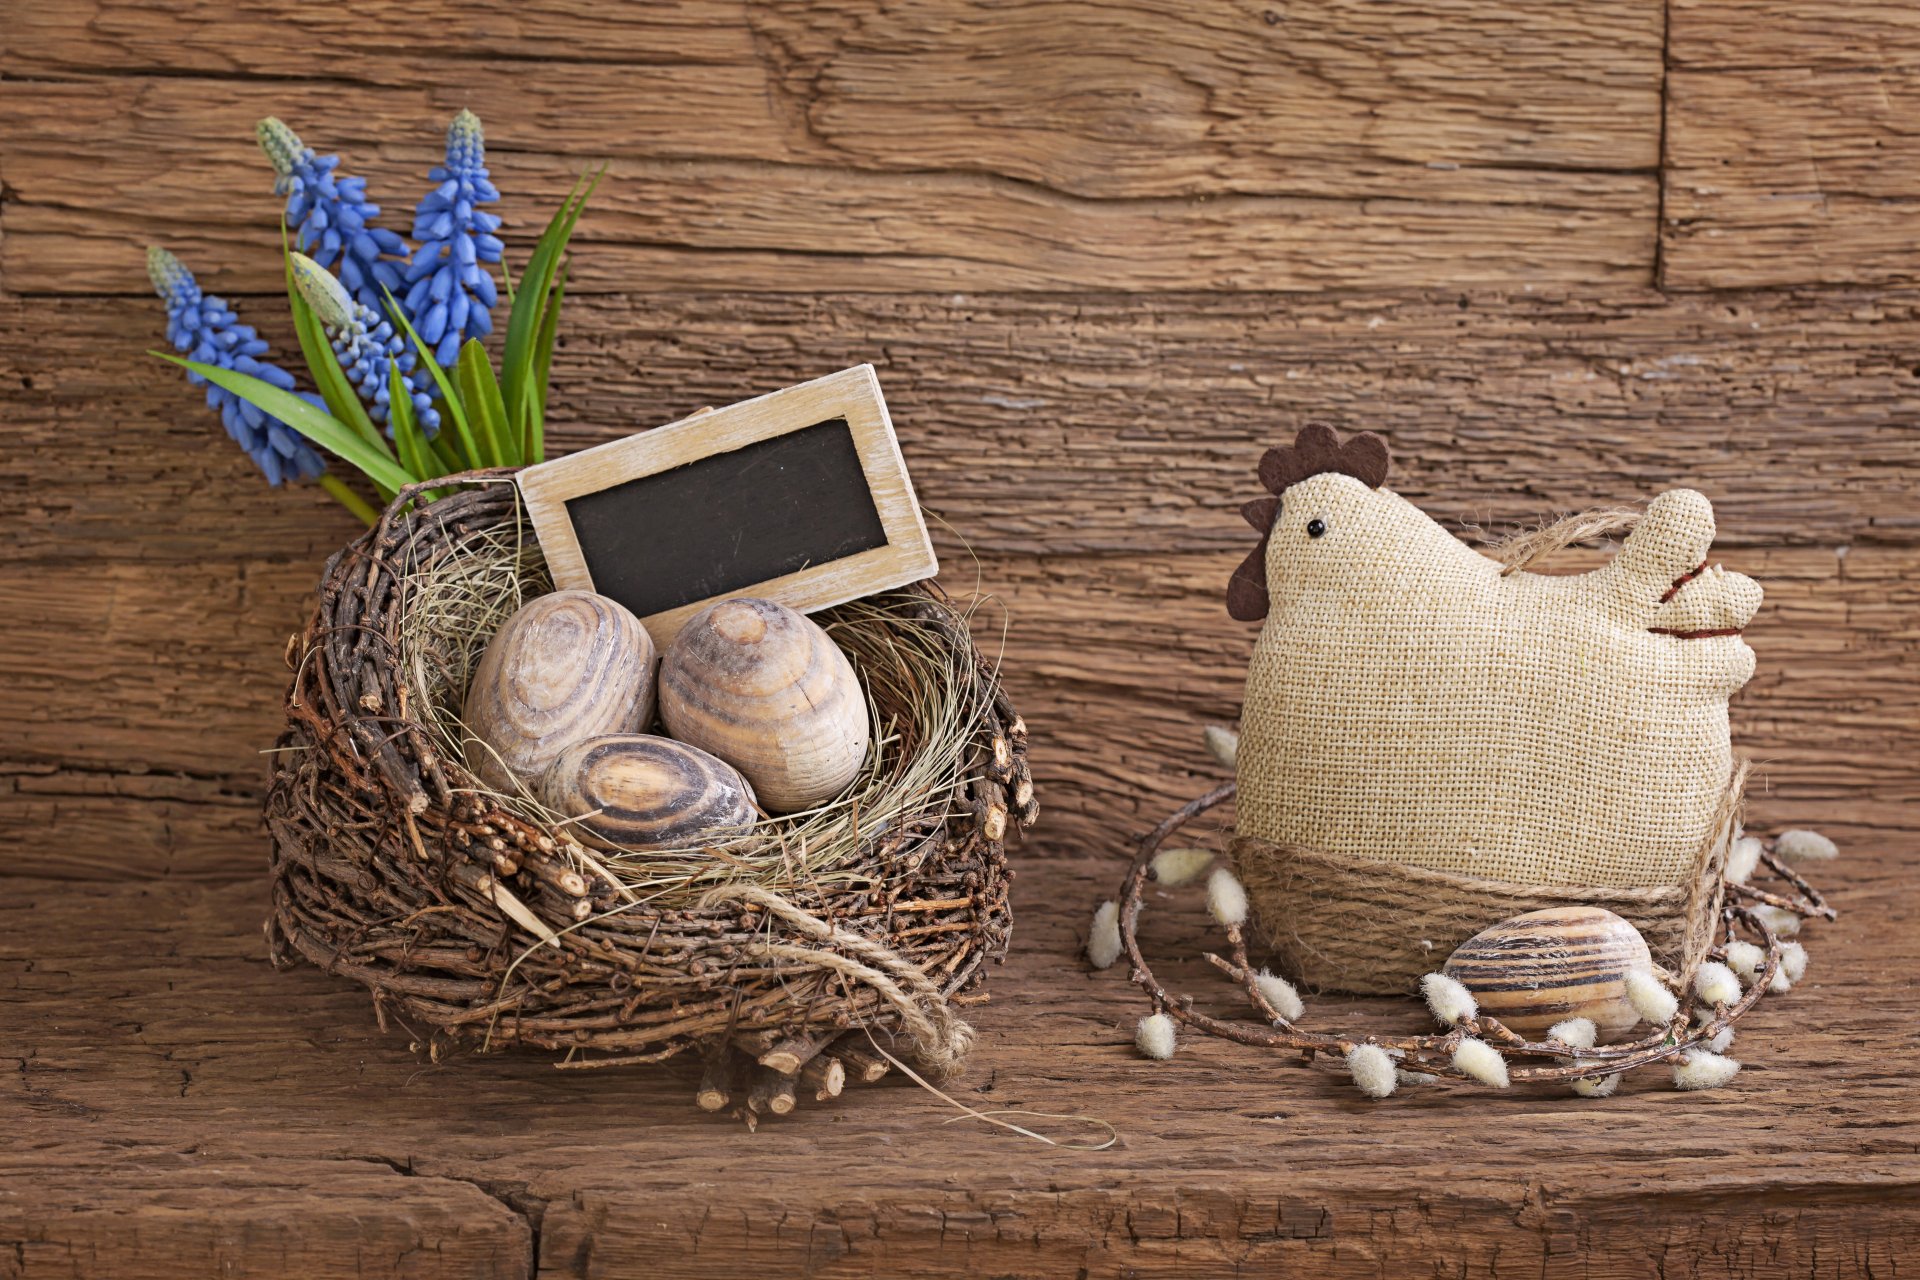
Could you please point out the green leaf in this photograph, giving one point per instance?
(322, 365)
(449, 396)
(535, 394)
(407, 440)
(530, 301)
(323, 429)
(480, 390)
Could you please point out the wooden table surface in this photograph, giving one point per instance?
(1102, 256)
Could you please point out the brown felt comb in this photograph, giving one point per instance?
(1316, 450)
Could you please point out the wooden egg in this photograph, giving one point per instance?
(767, 691)
(567, 666)
(1545, 966)
(650, 793)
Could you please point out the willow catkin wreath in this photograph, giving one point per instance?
(1690, 1022)
(476, 919)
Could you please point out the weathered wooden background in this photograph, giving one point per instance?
(1102, 255)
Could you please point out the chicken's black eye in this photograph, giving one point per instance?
(1316, 527)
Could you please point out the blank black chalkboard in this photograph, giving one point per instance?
(723, 523)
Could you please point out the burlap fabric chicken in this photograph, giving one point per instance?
(1432, 741)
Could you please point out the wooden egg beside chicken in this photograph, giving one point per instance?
(1546, 966)
(565, 667)
(637, 791)
(767, 691)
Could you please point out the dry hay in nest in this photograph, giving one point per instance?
(475, 918)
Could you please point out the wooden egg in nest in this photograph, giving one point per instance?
(645, 792)
(566, 666)
(1546, 966)
(769, 692)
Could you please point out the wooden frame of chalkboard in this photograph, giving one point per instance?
(799, 496)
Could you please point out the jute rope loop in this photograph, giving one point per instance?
(940, 1037)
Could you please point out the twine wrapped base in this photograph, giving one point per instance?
(1375, 928)
(477, 920)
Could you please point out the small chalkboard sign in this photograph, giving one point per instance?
(800, 496)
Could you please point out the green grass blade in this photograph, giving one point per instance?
(323, 429)
(530, 301)
(449, 395)
(481, 392)
(446, 454)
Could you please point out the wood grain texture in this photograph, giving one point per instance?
(925, 146)
(1092, 423)
(1226, 1159)
(1791, 156)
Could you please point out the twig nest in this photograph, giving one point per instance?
(566, 666)
(769, 692)
(636, 791)
(1548, 966)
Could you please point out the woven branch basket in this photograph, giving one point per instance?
(476, 920)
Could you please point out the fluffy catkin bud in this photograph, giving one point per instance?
(1793, 959)
(1372, 1070)
(1482, 1061)
(1784, 923)
(1745, 959)
(1226, 898)
(1223, 744)
(1449, 1001)
(1595, 1086)
(1155, 1036)
(1175, 867)
(1805, 846)
(1279, 993)
(1743, 858)
(1650, 998)
(1575, 1033)
(1103, 941)
(1722, 1040)
(1700, 1070)
(1715, 983)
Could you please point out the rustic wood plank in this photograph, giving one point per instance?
(1790, 153)
(888, 147)
(79, 1209)
(1079, 424)
(141, 750)
(1226, 1159)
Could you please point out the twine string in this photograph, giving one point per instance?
(940, 1037)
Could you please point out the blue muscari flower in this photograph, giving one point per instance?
(331, 217)
(450, 296)
(365, 344)
(206, 329)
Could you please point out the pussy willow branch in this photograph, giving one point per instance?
(1432, 1054)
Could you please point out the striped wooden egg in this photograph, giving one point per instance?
(644, 792)
(566, 666)
(769, 692)
(1545, 966)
